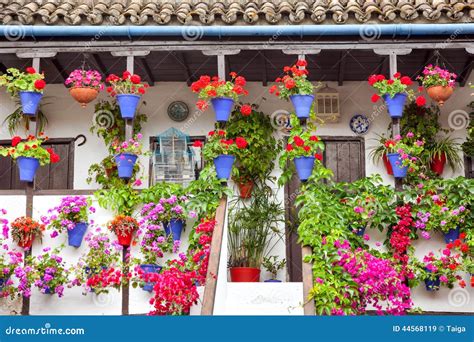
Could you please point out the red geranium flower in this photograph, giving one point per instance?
(289, 147)
(135, 79)
(31, 70)
(397, 75)
(375, 98)
(318, 156)
(198, 143)
(246, 110)
(241, 142)
(40, 84)
(313, 138)
(298, 141)
(406, 80)
(16, 140)
(420, 101)
(301, 63)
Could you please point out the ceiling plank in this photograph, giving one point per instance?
(264, 75)
(99, 64)
(147, 69)
(59, 68)
(464, 76)
(182, 59)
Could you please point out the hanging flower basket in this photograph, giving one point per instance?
(451, 235)
(304, 167)
(223, 164)
(125, 164)
(395, 104)
(148, 269)
(399, 171)
(26, 242)
(432, 284)
(76, 234)
(127, 90)
(24, 229)
(439, 83)
(83, 95)
(437, 164)
(123, 226)
(27, 167)
(244, 274)
(302, 105)
(440, 94)
(28, 86)
(174, 227)
(222, 108)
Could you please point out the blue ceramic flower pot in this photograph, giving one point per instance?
(76, 234)
(222, 108)
(125, 164)
(174, 227)
(451, 235)
(27, 167)
(128, 104)
(272, 281)
(358, 231)
(432, 285)
(395, 104)
(30, 101)
(399, 171)
(223, 164)
(304, 167)
(149, 268)
(302, 105)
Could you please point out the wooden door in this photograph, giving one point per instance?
(345, 156)
(53, 176)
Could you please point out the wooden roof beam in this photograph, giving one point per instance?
(186, 71)
(464, 76)
(59, 68)
(148, 72)
(342, 66)
(263, 60)
(99, 64)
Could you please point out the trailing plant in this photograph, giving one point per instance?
(10, 260)
(15, 81)
(16, 120)
(293, 82)
(161, 190)
(30, 148)
(121, 199)
(208, 88)
(253, 229)
(256, 162)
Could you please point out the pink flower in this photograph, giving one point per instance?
(443, 279)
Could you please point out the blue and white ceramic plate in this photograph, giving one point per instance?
(359, 124)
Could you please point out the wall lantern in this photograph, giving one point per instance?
(327, 104)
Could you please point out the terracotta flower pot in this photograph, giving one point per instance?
(244, 274)
(26, 242)
(125, 239)
(83, 95)
(440, 94)
(437, 164)
(245, 189)
(387, 164)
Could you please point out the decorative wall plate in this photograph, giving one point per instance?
(359, 124)
(178, 111)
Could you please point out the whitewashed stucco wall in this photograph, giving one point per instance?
(68, 119)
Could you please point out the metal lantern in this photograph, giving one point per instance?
(327, 104)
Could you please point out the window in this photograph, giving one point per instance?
(53, 176)
(174, 160)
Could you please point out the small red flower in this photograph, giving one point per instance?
(126, 75)
(290, 84)
(301, 63)
(135, 79)
(289, 147)
(15, 141)
(375, 98)
(198, 143)
(313, 138)
(318, 156)
(141, 90)
(40, 84)
(246, 110)
(406, 80)
(241, 142)
(397, 75)
(306, 148)
(298, 141)
(420, 101)
(31, 70)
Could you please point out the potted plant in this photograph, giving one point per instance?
(222, 151)
(29, 155)
(404, 153)
(27, 85)
(295, 86)
(126, 155)
(253, 228)
(221, 93)
(395, 92)
(272, 265)
(303, 148)
(10, 260)
(380, 152)
(445, 150)
(439, 83)
(24, 230)
(72, 215)
(84, 85)
(244, 182)
(50, 273)
(123, 226)
(127, 90)
(438, 271)
(99, 269)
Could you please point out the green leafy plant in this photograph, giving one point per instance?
(272, 265)
(121, 199)
(16, 119)
(16, 81)
(409, 147)
(468, 145)
(30, 148)
(253, 229)
(218, 143)
(294, 82)
(397, 85)
(448, 147)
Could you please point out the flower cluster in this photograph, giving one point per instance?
(123, 225)
(442, 268)
(208, 88)
(24, 229)
(70, 211)
(99, 268)
(400, 239)
(81, 78)
(436, 76)
(378, 281)
(31, 148)
(304, 145)
(49, 272)
(409, 147)
(397, 85)
(10, 260)
(17, 81)
(173, 207)
(132, 146)
(218, 143)
(127, 84)
(294, 82)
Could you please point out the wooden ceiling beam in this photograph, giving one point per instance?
(148, 72)
(59, 68)
(99, 64)
(187, 72)
(264, 74)
(464, 76)
(342, 66)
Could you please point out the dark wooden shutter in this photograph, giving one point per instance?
(345, 156)
(469, 166)
(48, 177)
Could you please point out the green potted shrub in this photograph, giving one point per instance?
(253, 229)
(445, 150)
(273, 265)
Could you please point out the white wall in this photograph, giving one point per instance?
(68, 119)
